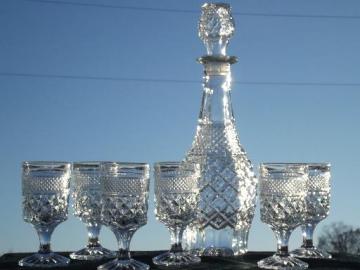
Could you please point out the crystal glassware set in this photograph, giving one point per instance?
(207, 200)
(114, 194)
(292, 195)
(111, 193)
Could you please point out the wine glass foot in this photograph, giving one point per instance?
(240, 252)
(93, 253)
(312, 253)
(176, 259)
(196, 252)
(282, 263)
(218, 252)
(118, 264)
(44, 260)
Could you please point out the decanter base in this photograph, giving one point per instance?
(93, 253)
(282, 263)
(44, 260)
(313, 253)
(217, 252)
(118, 264)
(176, 259)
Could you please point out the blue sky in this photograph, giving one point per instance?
(83, 119)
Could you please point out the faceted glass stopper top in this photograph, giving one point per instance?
(216, 27)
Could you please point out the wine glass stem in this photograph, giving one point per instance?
(44, 238)
(176, 234)
(282, 242)
(93, 235)
(124, 238)
(308, 232)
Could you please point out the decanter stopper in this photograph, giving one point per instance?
(216, 27)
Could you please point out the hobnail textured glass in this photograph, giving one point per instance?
(45, 190)
(282, 207)
(317, 208)
(176, 193)
(125, 188)
(227, 183)
(86, 193)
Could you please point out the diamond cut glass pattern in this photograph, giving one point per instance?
(317, 208)
(223, 184)
(128, 212)
(45, 210)
(87, 204)
(282, 207)
(227, 183)
(176, 193)
(216, 27)
(125, 188)
(45, 190)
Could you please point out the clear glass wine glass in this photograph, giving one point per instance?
(177, 197)
(86, 194)
(282, 207)
(317, 208)
(125, 188)
(45, 190)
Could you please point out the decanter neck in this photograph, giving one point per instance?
(216, 47)
(216, 102)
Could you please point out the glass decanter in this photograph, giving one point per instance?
(227, 183)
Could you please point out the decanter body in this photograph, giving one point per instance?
(227, 184)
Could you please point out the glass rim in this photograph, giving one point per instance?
(282, 167)
(309, 165)
(126, 163)
(167, 164)
(119, 166)
(90, 162)
(319, 164)
(282, 163)
(45, 164)
(324, 163)
(174, 164)
(86, 164)
(164, 163)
